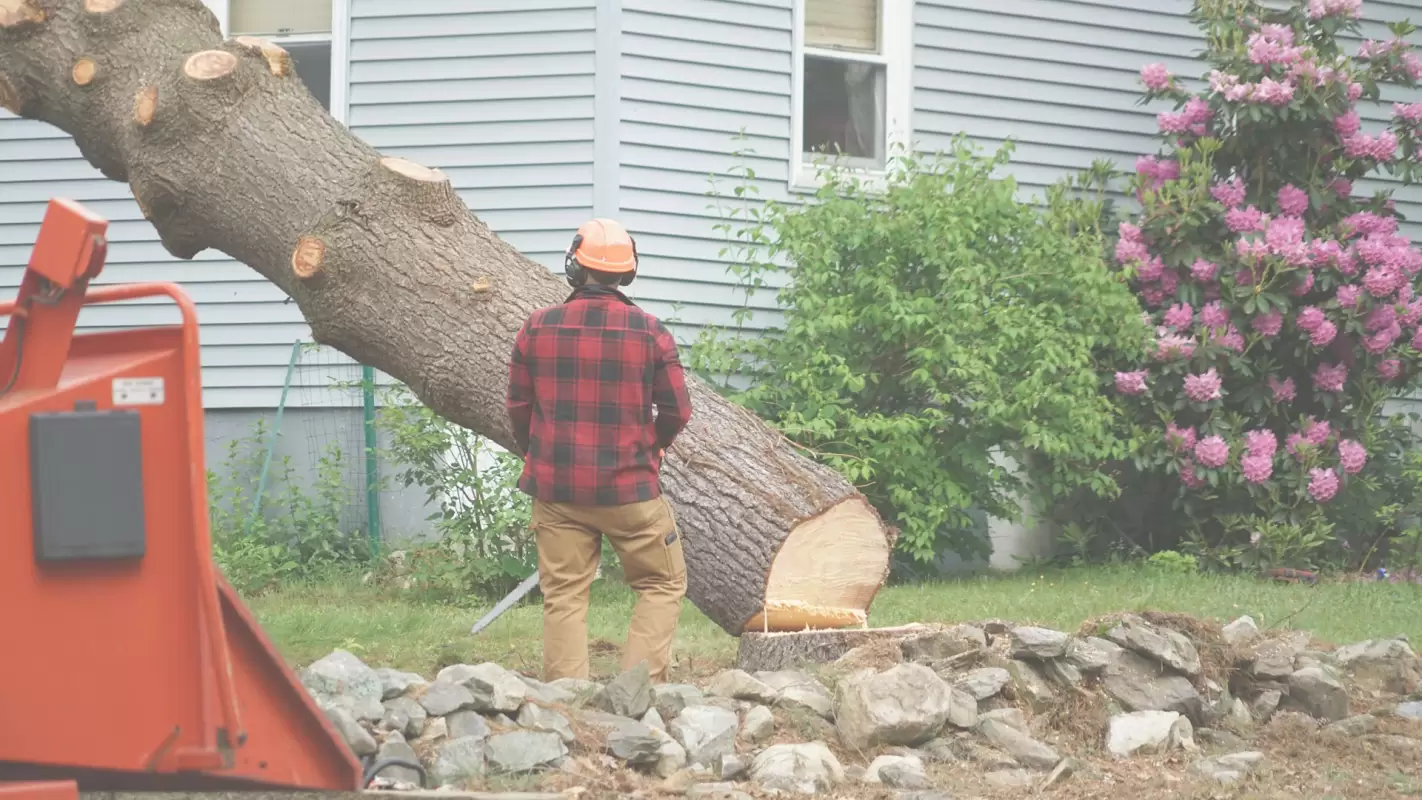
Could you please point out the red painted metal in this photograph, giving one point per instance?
(145, 667)
(40, 790)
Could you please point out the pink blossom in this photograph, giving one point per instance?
(1197, 111)
(1352, 456)
(1292, 443)
(1348, 263)
(1179, 438)
(1155, 76)
(1269, 324)
(1348, 295)
(1231, 339)
(1389, 369)
(1322, 484)
(1188, 476)
(1323, 334)
(1293, 201)
(1316, 432)
(1330, 377)
(1229, 193)
(1250, 251)
(1382, 281)
(1244, 220)
(1382, 148)
(1153, 294)
(1410, 112)
(1203, 388)
(1285, 239)
(1129, 232)
(1150, 269)
(1204, 271)
(1310, 317)
(1131, 382)
(1411, 313)
(1265, 48)
(1382, 316)
(1274, 93)
(1261, 442)
(1213, 315)
(1346, 125)
(1169, 282)
(1212, 451)
(1284, 391)
(1341, 187)
(1171, 122)
(1379, 342)
(1412, 65)
(1304, 285)
(1173, 346)
(1318, 9)
(1324, 252)
(1179, 315)
(1355, 91)
(1167, 170)
(1417, 340)
(1256, 469)
(1366, 222)
(1130, 251)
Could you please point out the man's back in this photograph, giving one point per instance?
(584, 378)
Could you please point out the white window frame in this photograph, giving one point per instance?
(339, 37)
(896, 56)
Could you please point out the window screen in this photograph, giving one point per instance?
(842, 24)
(273, 17)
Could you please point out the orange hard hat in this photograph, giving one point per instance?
(605, 246)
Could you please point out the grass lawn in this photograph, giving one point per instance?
(384, 629)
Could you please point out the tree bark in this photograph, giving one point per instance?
(224, 148)
(771, 652)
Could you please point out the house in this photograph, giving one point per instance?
(547, 112)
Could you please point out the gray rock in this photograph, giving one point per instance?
(1167, 646)
(467, 723)
(537, 718)
(1351, 727)
(1139, 684)
(1266, 704)
(671, 698)
(494, 689)
(443, 697)
(715, 791)
(671, 756)
(796, 689)
(524, 751)
(635, 743)
(1229, 769)
(989, 759)
(1008, 716)
(1011, 778)
(548, 694)
(627, 695)
(1091, 655)
(1412, 710)
(1062, 673)
(1318, 694)
(1273, 661)
(985, 682)
(1148, 732)
(905, 705)
(1064, 769)
(503, 721)
(1029, 685)
(758, 726)
(926, 648)
(1038, 643)
(740, 685)
(1381, 665)
(458, 761)
(436, 730)
(1239, 714)
(342, 679)
(404, 714)
(706, 732)
(395, 746)
(897, 772)
(394, 683)
(800, 768)
(1241, 631)
(1220, 739)
(345, 723)
(653, 719)
(1014, 742)
(730, 767)
(581, 690)
(962, 709)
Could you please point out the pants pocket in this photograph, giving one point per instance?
(671, 542)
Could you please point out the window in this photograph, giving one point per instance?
(852, 83)
(304, 28)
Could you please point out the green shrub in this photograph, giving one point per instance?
(929, 324)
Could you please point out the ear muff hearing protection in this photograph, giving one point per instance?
(602, 246)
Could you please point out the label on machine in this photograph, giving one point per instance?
(138, 392)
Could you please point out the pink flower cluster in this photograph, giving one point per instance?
(1318, 9)
(1293, 201)
(1373, 49)
(1410, 113)
(1266, 92)
(1352, 457)
(1156, 77)
(1322, 484)
(1194, 118)
(1274, 44)
(1158, 170)
(1258, 461)
(1204, 387)
(1132, 383)
(1230, 193)
(1212, 452)
(1284, 391)
(1382, 148)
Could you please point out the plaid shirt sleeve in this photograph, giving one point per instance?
(520, 394)
(669, 392)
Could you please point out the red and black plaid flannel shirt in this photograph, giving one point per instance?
(583, 379)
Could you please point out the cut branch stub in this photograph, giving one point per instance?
(307, 257)
(427, 191)
(145, 105)
(101, 6)
(84, 71)
(209, 65)
(14, 13)
(278, 60)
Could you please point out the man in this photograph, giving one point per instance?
(584, 379)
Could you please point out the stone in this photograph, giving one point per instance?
(758, 726)
(730, 767)
(671, 698)
(494, 689)
(537, 718)
(715, 791)
(801, 768)
(502, 722)
(1241, 631)
(738, 684)
(1091, 655)
(1318, 694)
(1148, 732)
(1011, 778)
(1351, 727)
(926, 648)
(1038, 643)
(989, 758)
(436, 730)
(548, 694)
(581, 690)
(404, 714)
(938, 751)
(897, 772)
(630, 740)
(671, 757)
(796, 689)
(342, 679)
(1019, 745)
(905, 705)
(1064, 769)
(395, 746)
(1229, 769)
(1169, 647)
(1140, 684)
(1266, 704)
(458, 761)
(523, 751)
(962, 709)
(1412, 710)
(1381, 665)
(1028, 684)
(627, 695)
(1062, 673)
(706, 732)
(653, 719)
(1220, 739)
(345, 723)
(984, 682)
(467, 723)
(443, 697)
(1008, 716)
(394, 683)
(1239, 715)
(1272, 662)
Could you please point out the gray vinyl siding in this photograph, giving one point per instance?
(700, 80)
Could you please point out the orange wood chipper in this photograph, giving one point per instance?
(127, 662)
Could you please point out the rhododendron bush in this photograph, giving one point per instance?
(1283, 301)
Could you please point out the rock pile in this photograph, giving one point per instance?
(991, 695)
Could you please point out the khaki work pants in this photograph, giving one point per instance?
(647, 541)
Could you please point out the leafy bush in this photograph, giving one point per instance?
(1284, 306)
(926, 326)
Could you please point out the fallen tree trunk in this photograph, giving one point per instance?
(224, 148)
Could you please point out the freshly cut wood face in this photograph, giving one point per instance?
(827, 572)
